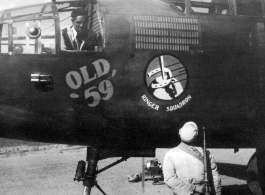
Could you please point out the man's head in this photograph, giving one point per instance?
(79, 20)
(188, 132)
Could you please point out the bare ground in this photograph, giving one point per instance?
(49, 170)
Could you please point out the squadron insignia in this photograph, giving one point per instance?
(166, 78)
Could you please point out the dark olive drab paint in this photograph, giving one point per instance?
(223, 83)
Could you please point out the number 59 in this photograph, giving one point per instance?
(105, 88)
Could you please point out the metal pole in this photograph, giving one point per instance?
(205, 165)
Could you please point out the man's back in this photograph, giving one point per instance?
(186, 166)
(182, 171)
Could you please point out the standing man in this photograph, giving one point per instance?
(78, 36)
(183, 166)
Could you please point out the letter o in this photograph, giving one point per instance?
(73, 79)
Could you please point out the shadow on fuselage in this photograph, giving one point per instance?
(235, 171)
(232, 170)
(236, 190)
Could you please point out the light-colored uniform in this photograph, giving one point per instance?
(69, 40)
(183, 172)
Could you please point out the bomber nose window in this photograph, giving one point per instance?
(82, 28)
(29, 30)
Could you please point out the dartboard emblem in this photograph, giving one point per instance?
(166, 77)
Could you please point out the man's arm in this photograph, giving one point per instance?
(91, 41)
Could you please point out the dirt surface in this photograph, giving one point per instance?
(50, 171)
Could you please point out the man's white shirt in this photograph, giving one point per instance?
(74, 35)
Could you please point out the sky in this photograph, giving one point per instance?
(4, 4)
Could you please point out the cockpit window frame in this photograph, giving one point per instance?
(9, 20)
(232, 9)
(213, 8)
(239, 13)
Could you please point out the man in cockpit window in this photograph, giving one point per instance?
(78, 36)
